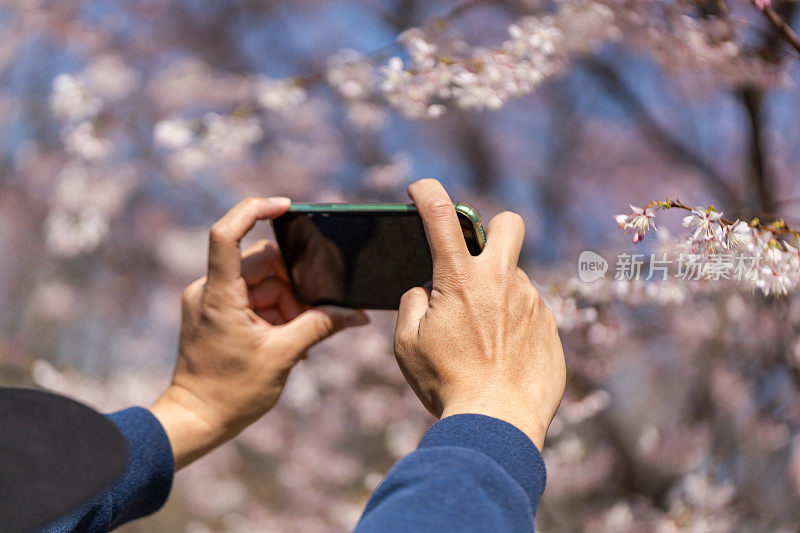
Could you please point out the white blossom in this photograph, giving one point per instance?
(276, 94)
(72, 99)
(188, 160)
(351, 74)
(366, 116)
(229, 135)
(704, 221)
(173, 134)
(422, 52)
(110, 77)
(638, 223)
(83, 141)
(738, 235)
(69, 233)
(777, 272)
(486, 78)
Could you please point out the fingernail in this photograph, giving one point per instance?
(281, 201)
(356, 318)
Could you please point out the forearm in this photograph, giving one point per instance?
(470, 472)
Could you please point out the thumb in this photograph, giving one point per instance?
(314, 325)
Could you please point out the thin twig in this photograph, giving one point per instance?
(780, 24)
(779, 227)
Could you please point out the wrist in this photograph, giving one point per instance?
(191, 435)
(504, 410)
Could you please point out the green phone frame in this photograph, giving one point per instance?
(467, 213)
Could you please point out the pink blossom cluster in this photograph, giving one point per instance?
(776, 262)
(686, 44)
(443, 69)
(89, 190)
(480, 78)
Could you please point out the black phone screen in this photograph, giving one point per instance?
(355, 259)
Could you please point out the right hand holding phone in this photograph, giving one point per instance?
(480, 340)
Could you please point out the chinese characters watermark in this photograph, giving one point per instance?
(658, 267)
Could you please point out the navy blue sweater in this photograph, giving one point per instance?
(469, 473)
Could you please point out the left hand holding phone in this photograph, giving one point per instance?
(242, 331)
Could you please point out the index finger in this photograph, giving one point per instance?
(441, 222)
(224, 255)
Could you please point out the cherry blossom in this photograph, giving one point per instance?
(704, 221)
(72, 98)
(738, 235)
(173, 134)
(638, 223)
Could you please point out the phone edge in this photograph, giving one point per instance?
(462, 208)
(357, 207)
(474, 217)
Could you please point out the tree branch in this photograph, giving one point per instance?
(753, 100)
(759, 171)
(780, 25)
(652, 128)
(477, 153)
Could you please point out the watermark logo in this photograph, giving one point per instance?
(687, 266)
(591, 266)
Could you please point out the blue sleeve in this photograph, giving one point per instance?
(144, 485)
(469, 473)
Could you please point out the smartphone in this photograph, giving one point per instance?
(361, 255)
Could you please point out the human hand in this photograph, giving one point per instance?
(481, 340)
(242, 331)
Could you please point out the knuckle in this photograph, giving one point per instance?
(207, 302)
(323, 327)
(411, 294)
(239, 287)
(535, 298)
(190, 293)
(211, 302)
(403, 341)
(206, 314)
(535, 295)
(188, 296)
(499, 265)
(505, 278)
(407, 296)
(459, 278)
(217, 233)
(399, 339)
(439, 207)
